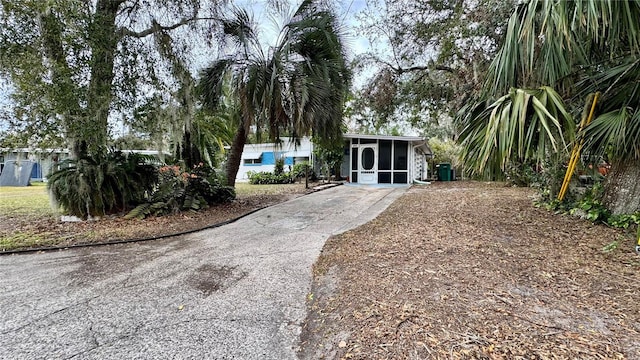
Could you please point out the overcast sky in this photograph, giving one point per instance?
(346, 11)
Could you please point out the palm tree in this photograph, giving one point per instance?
(297, 87)
(574, 48)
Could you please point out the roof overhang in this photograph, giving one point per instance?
(383, 137)
(298, 153)
(251, 155)
(419, 143)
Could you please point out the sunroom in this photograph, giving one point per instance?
(386, 159)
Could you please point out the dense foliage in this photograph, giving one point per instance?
(179, 190)
(74, 64)
(93, 186)
(554, 57)
(298, 87)
(266, 177)
(429, 58)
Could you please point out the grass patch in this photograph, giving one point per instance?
(246, 189)
(27, 200)
(28, 239)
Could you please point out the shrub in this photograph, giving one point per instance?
(522, 174)
(446, 151)
(264, 177)
(279, 167)
(100, 185)
(179, 190)
(299, 170)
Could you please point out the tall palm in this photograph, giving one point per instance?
(577, 48)
(297, 87)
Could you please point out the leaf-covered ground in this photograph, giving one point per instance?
(468, 270)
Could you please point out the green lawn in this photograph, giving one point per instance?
(27, 200)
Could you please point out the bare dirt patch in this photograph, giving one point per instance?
(470, 270)
(40, 231)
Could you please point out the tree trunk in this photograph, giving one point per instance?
(189, 152)
(103, 38)
(622, 187)
(235, 155)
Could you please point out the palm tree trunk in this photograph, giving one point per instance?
(622, 188)
(235, 155)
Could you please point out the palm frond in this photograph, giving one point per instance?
(615, 134)
(525, 125)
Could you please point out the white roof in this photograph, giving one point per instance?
(251, 155)
(383, 137)
(417, 140)
(298, 153)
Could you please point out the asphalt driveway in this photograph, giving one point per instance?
(233, 292)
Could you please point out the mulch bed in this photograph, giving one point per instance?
(470, 270)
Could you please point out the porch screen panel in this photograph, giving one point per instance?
(384, 155)
(400, 155)
(384, 178)
(399, 177)
(354, 164)
(354, 158)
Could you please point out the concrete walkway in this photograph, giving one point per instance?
(233, 292)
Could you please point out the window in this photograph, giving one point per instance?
(400, 155)
(354, 158)
(257, 161)
(384, 155)
(368, 158)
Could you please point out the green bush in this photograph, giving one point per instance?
(299, 169)
(279, 167)
(526, 174)
(179, 190)
(100, 185)
(264, 177)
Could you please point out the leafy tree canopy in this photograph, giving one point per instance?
(76, 65)
(430, 58)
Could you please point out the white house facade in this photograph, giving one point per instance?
(262, 157)
(382, 159)
(368, 159)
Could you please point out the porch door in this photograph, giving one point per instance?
(368, 164)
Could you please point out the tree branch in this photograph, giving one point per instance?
(156, 27)
(401, 70)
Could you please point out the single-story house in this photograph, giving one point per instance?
(368, 159)
(43, 159)
(385, 159)
(262, 157)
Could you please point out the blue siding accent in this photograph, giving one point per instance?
(288, 161)
(268, 158)
(35, 171)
